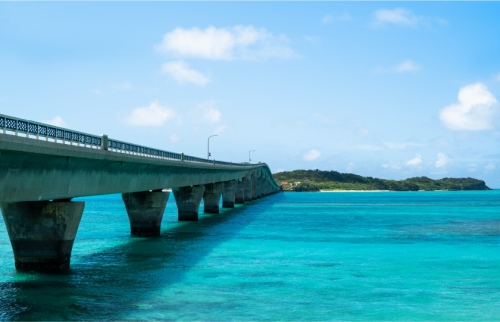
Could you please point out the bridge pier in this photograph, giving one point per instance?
(188, 202)
(259, 186)
(229, 193)
(240, 192)
(211, 198)
(248, 190)
(145, 211)
(42, 233)
(254, 189)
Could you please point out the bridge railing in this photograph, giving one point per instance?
(47, 131)
(38, 130)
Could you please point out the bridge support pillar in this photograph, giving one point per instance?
(42, 233)
(145, 211)
(188, 201)
(248, 190)
(254, 189)
(211, 198)
(240, 192)
(259, 186)
(229, 193)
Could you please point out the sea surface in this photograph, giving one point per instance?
(394, 256)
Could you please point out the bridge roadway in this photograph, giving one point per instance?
(38, 179)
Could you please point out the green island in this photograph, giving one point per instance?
(316, 180)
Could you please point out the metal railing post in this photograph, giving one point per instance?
(104, 142)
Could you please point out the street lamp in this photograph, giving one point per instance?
(250, 160)
(208, 146)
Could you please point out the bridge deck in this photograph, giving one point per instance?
(32, 170)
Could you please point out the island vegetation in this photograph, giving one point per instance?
(316, 180)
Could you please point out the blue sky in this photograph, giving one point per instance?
(384, 89)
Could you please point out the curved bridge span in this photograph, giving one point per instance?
(42, 167)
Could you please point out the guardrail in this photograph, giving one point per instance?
(38, 130)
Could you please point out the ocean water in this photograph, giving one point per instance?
(394, 256)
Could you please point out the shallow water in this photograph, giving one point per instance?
(289, 256)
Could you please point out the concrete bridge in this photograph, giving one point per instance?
(42, 167)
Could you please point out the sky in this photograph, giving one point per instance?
(384, 89)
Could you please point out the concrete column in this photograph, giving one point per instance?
(259, 185)
(145, 211)
(240, 192)
(211, 198)
(188, 202)
(248, 190)
(228, 193)
(42, 233)
(254, 189)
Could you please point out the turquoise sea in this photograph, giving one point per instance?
(356, 256)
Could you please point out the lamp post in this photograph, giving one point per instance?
(208, 146)
(250, 160)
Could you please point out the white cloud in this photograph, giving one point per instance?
(329, 18)
(238, 42)
(174, 138)
(392, 165)
(96, 91)
(472, 167)
(415, 161)
(497, 77)
(403, 17)
(152, 115)
(205, 112)
(406, 66)
(56, 121)
(311, 155)
(476, 109)
(123, 86)
(181, 72)
(490, 166)
(442, 160)
(398, 16)
(350, 167)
